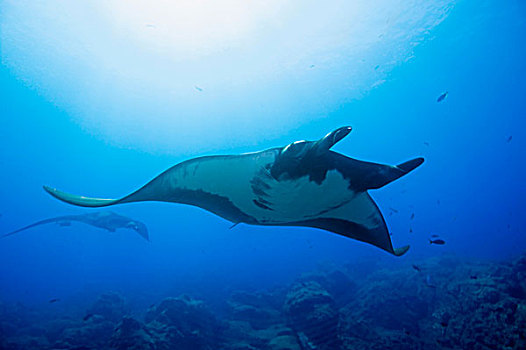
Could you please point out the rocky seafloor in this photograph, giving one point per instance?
(440, 303)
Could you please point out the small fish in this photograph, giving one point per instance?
(198, 88)
(434, 235)
(417, 268)
(444, 324)
(437, 241)
(376, 67)
(87, 317)
(393, 209)
(426, 143)
(54, 300)
(509, 139)
(410, 230)
(312, 66)
(442, 97)
(412, 216)
(473, 277)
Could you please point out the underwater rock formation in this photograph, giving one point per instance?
(184, 323)
(467, 306)
(260, 310)
(447, 303)
(130, 334)
(111, 306)
(93, 334)
(311, 312)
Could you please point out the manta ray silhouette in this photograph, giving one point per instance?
(301, 184)
(104, 219)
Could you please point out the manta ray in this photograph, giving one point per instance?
(104, 219)
(301, 184)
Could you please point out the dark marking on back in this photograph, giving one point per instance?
(214, 203)
(261, 205)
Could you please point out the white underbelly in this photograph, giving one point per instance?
(283, 201)
(302, 199)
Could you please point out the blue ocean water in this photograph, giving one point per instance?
(98, 107)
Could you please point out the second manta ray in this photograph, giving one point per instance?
(301, 184)
(105, 220)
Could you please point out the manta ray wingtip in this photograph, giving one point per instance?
(401, 251)
(410, 165)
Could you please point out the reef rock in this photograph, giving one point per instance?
(92, 334)
(260, 310)
(111, 306)
(185, 323)
(130, 334)
(311, 312)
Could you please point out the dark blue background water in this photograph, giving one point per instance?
(470, 190)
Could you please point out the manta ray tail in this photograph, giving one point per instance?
(41, 222)
(145, 193)
(80, 200)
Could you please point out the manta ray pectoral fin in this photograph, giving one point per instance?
(378, 237)
(324, 145)
(410, 165)
(80, 200)
(384, 174)
(400, 251)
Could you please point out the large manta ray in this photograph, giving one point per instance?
(301, 184)
(104, 219)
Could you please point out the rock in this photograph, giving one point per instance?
(284, 342)
(258, 318)
(111, 306)
(392, 300)
(311, 311)
(185, 323)
(130, 334)
(463, 304)
(266, 300)
(26, 342)
(93, 334)
(336, 282)
(55, 328)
